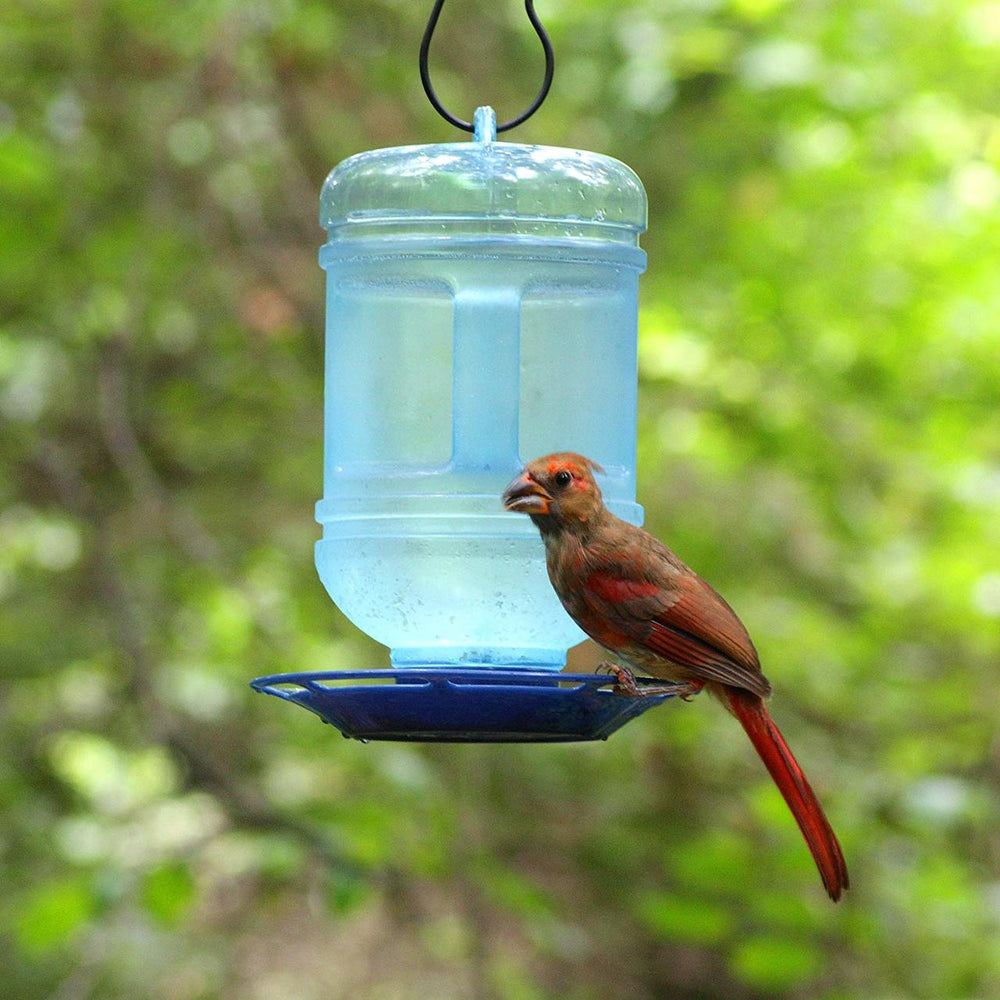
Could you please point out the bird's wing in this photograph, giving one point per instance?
(671, 612)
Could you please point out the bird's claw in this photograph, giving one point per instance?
(624, 678)
(626, 684)
(688, 689)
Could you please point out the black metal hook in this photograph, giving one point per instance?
(425, 76)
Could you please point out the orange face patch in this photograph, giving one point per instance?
(574, 470)
(578, 466)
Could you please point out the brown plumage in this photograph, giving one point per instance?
(634, 597)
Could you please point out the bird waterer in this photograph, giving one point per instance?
(481, 310)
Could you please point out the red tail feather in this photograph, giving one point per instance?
(791, 782)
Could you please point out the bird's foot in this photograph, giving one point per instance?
(625, 683)
(687, 689)
(624, 678)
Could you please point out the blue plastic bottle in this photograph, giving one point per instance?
(481, 311)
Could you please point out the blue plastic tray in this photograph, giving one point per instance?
(475, 705)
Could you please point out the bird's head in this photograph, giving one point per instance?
(556, 491)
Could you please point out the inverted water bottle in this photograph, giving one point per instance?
(481, 310)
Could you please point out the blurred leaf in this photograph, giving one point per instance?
(345, 892)
(514, 891)
(168, 892)
(686, 919)
(775, 963)
(716, 858)
(51, 915)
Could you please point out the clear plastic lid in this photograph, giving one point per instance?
(484, 186)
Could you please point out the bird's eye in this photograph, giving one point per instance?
(563, 478)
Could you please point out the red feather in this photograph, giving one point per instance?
(791, 782)
(701, 612)
(686, 623)
(617, 590)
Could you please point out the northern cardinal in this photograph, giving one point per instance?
(635, 598)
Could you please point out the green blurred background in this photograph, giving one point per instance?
(819, 436)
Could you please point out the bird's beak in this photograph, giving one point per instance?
(525, 496)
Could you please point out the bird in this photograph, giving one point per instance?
(638, 600)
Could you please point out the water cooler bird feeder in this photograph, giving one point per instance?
(481, 310)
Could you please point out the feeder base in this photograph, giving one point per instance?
(475, 705)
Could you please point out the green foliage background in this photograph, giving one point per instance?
(819, 436)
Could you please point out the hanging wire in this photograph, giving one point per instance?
(425, 76)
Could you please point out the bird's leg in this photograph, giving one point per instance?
(626, 683)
